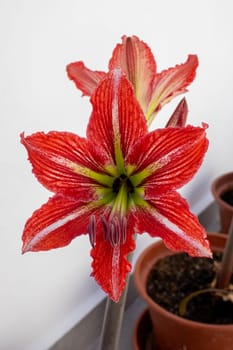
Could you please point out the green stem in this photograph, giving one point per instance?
(224, 275)
(113, 317)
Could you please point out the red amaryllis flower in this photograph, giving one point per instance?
(135, 58)
(118, 181)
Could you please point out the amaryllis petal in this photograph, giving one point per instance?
(179, 116)
(117, 120)
(135, 58)
(55, 224)
(62, 162)
(169, 217)
(85, 79)
(171, 155)
(110, 265)
(170, 83)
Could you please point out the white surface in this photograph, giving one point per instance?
(42, 295)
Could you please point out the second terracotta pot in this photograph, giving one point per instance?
(172, 332)
(221, 185)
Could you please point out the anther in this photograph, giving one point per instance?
(92, 230)
(105, 227)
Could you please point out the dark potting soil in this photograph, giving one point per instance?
(228, 197)
(174, 277)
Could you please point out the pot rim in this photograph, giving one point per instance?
(217, 194)
(142, 290)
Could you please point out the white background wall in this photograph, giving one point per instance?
(42, 295)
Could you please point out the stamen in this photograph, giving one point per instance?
(112, 234)
(91, 228)
(105, 227)
(115, 230)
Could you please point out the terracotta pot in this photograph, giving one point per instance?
(172, 332)
(143, 338)
(221, 185)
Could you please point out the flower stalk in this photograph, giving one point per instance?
(113, 319)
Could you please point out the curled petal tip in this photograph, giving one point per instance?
(25, 247)
(84, 78)
(205, 125)
(24, 250)
(21, 136)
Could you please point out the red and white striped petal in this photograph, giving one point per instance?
(170, 83)
(136, 60)
(172, 156)
(62, 161)
(85, 79)
(110, 264)
(169, 217)
(117, 120)
(56, 224)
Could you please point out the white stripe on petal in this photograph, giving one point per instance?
(180, 233)
(47, 230)
(115, 112)
(115, 271)
(115, 120)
